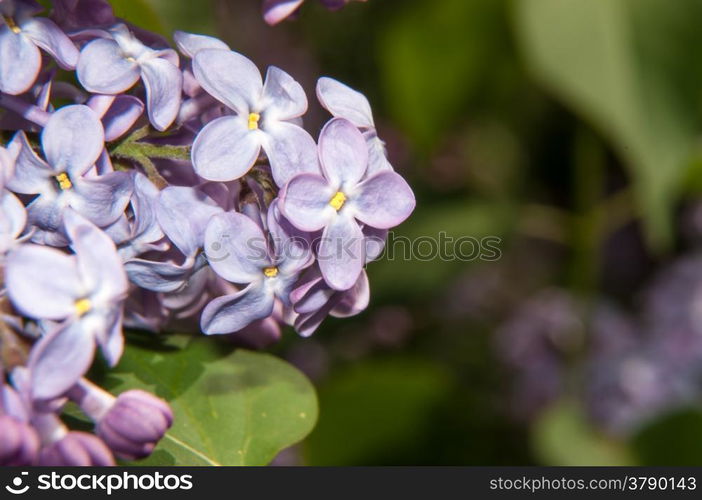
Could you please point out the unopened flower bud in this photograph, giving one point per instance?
(134, 424)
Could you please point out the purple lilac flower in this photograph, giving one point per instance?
(72, 141)
(113, 65)
(227, 147)
(239, 252)
(344, 102)
(338, 201)
(21, 35)
(83, 291)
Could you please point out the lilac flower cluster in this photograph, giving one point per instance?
(166, 189)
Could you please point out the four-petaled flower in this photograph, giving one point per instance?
(227, 147)
(113, 65)
(71, 141)
(83, 291)
(238, 251)
(341, 199)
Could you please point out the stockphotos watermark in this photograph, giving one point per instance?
(441, 246)
(101, 482)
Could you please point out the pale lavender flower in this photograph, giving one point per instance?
(21, 35)
(84, 291)
(339, 201)
(239, 252)
(227, 147)
(113, 65)
(72, 141)
(344, 102)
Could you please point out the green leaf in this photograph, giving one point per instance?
(231, 407)
(629, 68)
(562, 436)
(674, 439)
(374, 409)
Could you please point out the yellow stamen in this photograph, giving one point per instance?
(63, 181)
(12, 24)
(338, 200)
(253, 120)
(270, 272)
(83, 306)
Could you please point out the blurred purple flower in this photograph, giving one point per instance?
(274, 11)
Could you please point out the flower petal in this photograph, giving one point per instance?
(191, 43)
(354, 300)
(111, 342)
(13, 219)
(275, 11)
(305, 202)
(163, 82)
(341, 253)
(229, 77)
(52, 39)
(283, 97)
(20, 62)
(183, 213)
(43, 282)
(103, 69)
(236, 248)
(99, 265)
(291, 151)
(384, 200)
(59, 359)
(102, 199)
(158, 276)
(225, 149)
(73, 139)
(121, 115)
(231, 313)
(32, 175)
(343, 153)
(344, 102)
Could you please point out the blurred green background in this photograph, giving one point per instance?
(570, 129)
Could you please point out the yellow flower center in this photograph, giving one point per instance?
(270, 272)
(82, 306)
(338, 200)
(253, 120)
(12, 24)
(63, 181)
